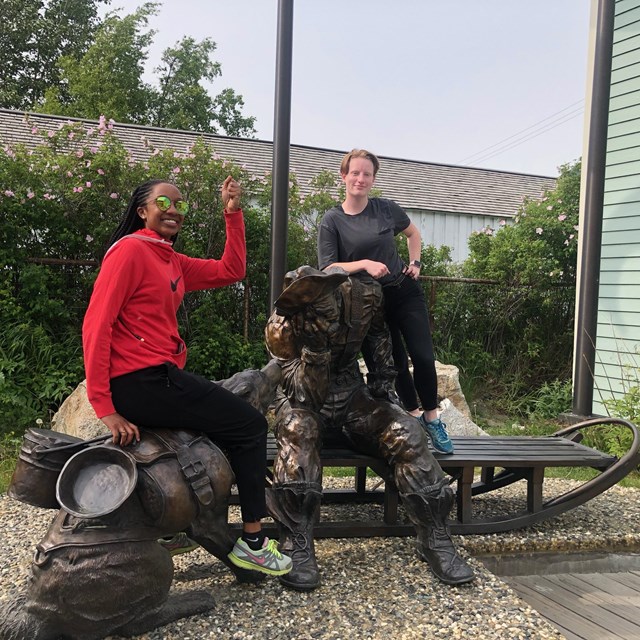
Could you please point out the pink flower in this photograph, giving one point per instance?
(30, 194)
(78, 189)
(176, 170)
(562, 217)
(100, 172)
(88, 238)
(539, 231)
(94, 149)
(9, 193)
(34, 130)
(51, 133)
(80, 153)
(550, 207)
(69, 174)
(88, 185)
(502, 223)
(113, 196)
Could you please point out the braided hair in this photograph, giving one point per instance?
(131, 221)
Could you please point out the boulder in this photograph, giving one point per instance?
(457, 423)
(76, 416)
(448, 385)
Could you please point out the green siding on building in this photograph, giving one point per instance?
(617, 359)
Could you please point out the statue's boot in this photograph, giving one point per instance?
(294, 506)
(428, 510)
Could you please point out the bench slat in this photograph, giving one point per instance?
(523, 458)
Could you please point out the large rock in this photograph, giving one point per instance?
(448, 385)
(457, 423)
(77, 417)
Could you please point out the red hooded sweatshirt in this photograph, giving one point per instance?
(131, 321)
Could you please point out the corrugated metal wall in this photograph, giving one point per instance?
(451, 229)
(618, 338)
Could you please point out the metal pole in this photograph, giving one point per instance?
(281, 140)
(591, 240)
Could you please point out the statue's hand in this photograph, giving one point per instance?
(311, 333)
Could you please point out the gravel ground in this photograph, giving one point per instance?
(373, 589)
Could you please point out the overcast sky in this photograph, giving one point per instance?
(487, 83)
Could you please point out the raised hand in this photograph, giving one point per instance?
(231, 192)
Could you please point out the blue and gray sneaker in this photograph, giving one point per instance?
(437, 432)
(266, 560)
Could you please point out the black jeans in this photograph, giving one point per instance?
(168, 397)
(408, 318)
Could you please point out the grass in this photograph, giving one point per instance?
(9, 450)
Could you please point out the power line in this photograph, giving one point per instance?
(529, 137)
(553, 115)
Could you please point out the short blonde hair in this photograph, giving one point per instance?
(358, 153)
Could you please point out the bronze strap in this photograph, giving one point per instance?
(196, 474)
(180, 442)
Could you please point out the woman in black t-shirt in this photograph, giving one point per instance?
(358, 235)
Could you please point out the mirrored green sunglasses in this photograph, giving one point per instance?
(164, 204)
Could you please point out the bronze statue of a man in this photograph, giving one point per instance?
(316, 332)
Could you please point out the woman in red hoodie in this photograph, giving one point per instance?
(134, 355)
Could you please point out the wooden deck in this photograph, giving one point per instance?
(585, 606)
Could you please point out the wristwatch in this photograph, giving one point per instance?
(416, 263)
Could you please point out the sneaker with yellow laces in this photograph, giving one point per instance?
(180, 543)
(266, 560)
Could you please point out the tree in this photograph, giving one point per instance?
(540, 247)
(35, 34)
(183, 103)
(107, 79)
(517, 335)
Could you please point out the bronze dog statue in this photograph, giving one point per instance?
(97, 576)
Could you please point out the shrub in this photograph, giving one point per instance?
(59, 204)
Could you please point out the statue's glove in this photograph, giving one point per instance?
(310, 333)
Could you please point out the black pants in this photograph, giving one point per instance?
(408, 318)
(168, 397)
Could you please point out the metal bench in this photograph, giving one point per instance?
(499, 461)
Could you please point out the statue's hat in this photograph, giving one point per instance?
(304, 285)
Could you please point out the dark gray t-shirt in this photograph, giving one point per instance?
(368, 235)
